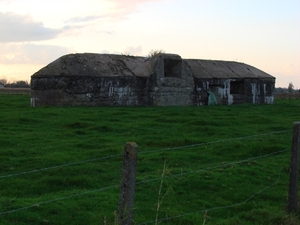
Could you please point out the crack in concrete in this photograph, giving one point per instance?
(121, 64)
(232, 70)
(125, 67)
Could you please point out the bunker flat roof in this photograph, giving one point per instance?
(110, 65)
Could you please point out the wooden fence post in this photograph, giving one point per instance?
(128, 184)
(294, 170)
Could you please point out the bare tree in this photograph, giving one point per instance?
(3, 81)
(291, 87)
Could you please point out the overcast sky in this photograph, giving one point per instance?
(262, 33)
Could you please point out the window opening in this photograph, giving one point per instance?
(172, 68)
(237, 87)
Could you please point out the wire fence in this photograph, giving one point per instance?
(159, 178)
(216, 208)
(116, 186)
(294, 95)
(15, 91)
(142, 152)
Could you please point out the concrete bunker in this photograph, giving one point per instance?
(163, 80)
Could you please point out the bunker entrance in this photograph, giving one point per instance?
(173, 67)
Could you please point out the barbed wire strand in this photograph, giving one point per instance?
(218, 207)
(58, 199)
(212, 142)
(145, 152)
(59, 166)
(146, 181)
(215, 167)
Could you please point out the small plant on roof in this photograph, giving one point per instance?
(154, 53)
(127, 54)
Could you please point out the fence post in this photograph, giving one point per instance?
(128, 184)
(294, 169)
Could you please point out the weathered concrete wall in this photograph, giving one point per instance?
(92, 91)
(235, 91)
(165, 80)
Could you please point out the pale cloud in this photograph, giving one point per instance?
(124, 7)
(117, 10)
(111, 15)
(21, 28)
(24, 23)
(17, 53)
(137, 51)
(131, 3)
(105, 52)
(83, 19)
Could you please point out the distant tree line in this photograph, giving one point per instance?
(15, 84)
(289, 89)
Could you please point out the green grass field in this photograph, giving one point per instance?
(224, 164)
